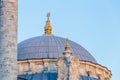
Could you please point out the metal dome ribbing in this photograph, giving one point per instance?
(50, 47)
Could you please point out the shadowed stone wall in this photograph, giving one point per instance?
(8, 39)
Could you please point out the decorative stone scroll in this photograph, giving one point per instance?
(68, 68)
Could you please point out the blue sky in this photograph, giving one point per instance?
(94, 24)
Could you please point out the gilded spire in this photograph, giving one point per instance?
(48, 28)
(67, 46)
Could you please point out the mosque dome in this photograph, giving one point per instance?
(50, 47)
(38, 58)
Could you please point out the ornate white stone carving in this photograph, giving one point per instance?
(68, 69)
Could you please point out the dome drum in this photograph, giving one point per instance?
(50, 66)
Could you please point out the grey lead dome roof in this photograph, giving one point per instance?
(50, 47)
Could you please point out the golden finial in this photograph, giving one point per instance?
(48, 28)
(67, 44)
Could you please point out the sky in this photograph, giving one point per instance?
(94, 24)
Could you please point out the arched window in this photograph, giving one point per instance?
(88, 73)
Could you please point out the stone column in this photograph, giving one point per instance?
(8, 39)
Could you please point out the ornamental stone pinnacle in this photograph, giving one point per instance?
(8, 39)
(68, 65)
(67, 44)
